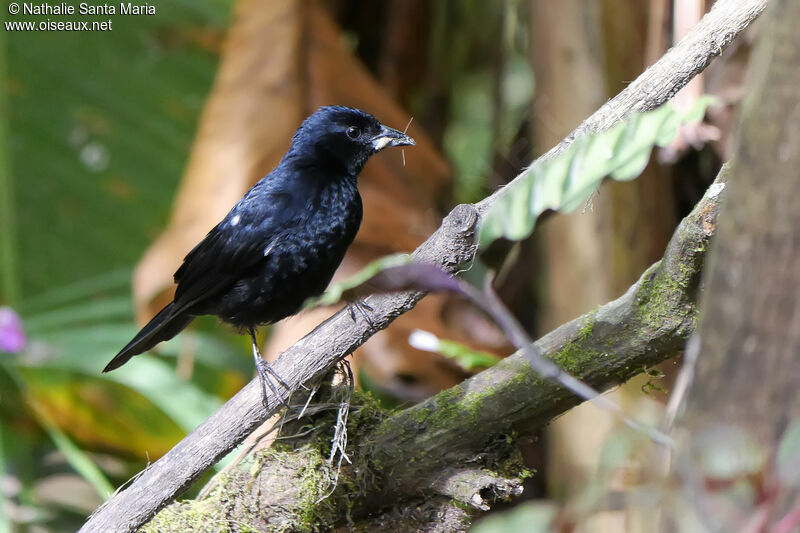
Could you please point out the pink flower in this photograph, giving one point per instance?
(12, 338)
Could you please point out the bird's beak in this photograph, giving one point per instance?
(391, 137)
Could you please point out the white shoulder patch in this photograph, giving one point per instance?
(269, 247)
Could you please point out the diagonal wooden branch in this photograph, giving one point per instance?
(451, 246)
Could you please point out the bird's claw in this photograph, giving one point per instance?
(266, 374)
(363, 309)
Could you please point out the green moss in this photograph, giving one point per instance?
(316, 481)
(367, 412)
(196, 515)
(572, 357)
(505, 459)
(575, 355)
(419, 415)
(454, 408)
(450, 406)
(316, 506)
(297, 466)
(659, 297)
(463, 506)
(587, 328)
(526, 473)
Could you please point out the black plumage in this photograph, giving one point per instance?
(282, 242)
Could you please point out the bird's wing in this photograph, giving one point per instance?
(233, 246)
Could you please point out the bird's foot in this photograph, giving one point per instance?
(266, 374)
(363, 309)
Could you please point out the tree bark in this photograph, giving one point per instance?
(748, 370)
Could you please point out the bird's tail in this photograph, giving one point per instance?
(165, 325)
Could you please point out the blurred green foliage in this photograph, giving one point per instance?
(479, 52)
(530, 517)
(100, 125)
(95, 128)
(482, 128)
(54, 395)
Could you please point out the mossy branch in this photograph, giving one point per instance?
(459, 444)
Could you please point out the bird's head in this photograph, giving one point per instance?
(345, 136)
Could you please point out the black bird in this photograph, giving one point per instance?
(282, 242)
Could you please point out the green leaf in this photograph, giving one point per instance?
(9, 282)
(565, 182)
(82, 464)
(787, 462)
(85, 349)
(464, 356)
(114, 282)
(100, 413)
(530, 517)
(5, 521)
(106, 310)
(90, 330)
(184, 402)
(98, 145)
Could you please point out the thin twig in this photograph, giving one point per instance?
(402, 149)
(682, 383)
(314, 390)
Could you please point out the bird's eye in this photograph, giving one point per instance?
(353, 132)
